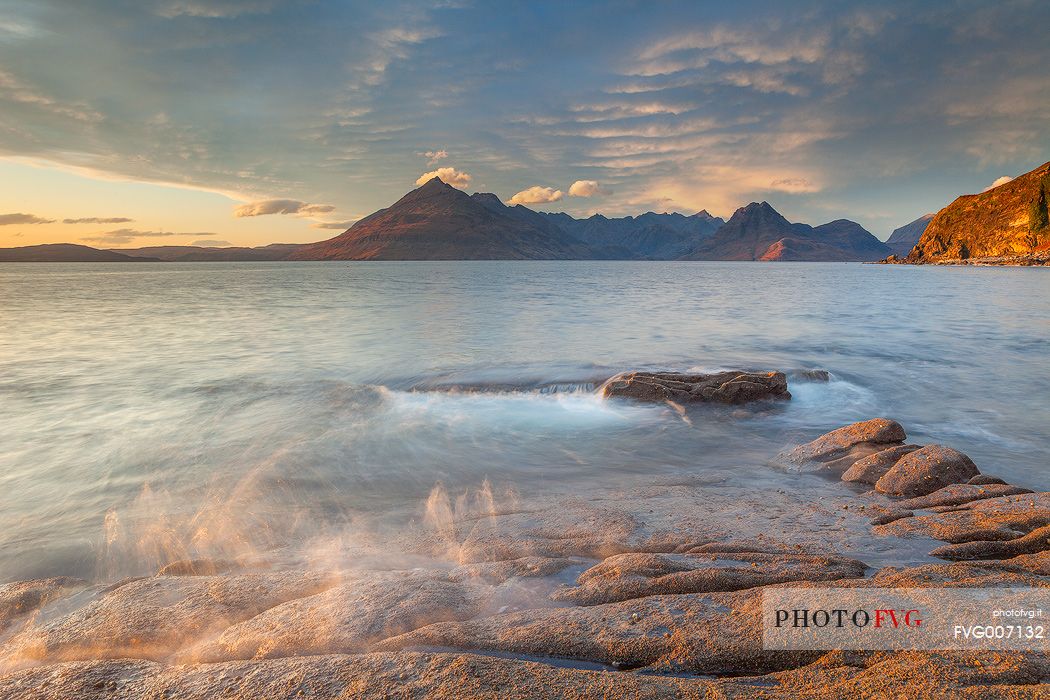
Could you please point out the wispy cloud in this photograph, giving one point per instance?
(266, 207)
(434, 156)
(10, 219)
(127, 235)
(212, 243)
(335, 225)
(98, 220)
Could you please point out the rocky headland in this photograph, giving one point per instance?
(1005, 225)
(646, 589)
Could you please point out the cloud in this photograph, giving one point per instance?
(585, 188)
(998, 181)
(211, 243)
(97, 220)
(434, 156)
(335, 225)
(536, 195)
(126, 235)
(9, 219)
(214, 9)
(265, 207)
(450, 176)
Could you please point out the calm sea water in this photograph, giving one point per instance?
(153, 409)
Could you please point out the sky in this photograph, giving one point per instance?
(128, 123)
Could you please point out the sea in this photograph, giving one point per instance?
(155, 410)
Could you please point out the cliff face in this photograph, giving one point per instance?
(759, 232)
(1009, 220)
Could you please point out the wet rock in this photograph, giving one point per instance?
(869, 469)
(723, 387)
(151, 618)
(1037, 540)
(849, 443)
(924, 471)
(22, 597)
(636, 575)
(958, 494)
(812, 375)
(347, 618)
(981, 479)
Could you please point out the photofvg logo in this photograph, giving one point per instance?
(906, 618)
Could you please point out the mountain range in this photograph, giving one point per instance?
(903, 239)
(436, 221)
(439, 222)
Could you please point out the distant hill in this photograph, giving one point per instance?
(1009, 220)
(759, 232)
(903, 239)
(439, 222)
(189, 253)
(650, 235)
(65, 252)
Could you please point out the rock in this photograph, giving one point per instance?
(452, 676)
(1003, 518)
(723, 387)
(871, 435)
(635, 575)
(956, 575)
(22, 597)
(1037, 540)
(982, 479)
(957, 494)
(1037, 563)
(689, 633)
(870, 469)
(925, 470)
(350, 617)
(151, 618)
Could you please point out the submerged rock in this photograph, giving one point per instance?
(926, 470)
(723, 387)
(868, 470)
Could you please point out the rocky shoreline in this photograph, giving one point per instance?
(651, 591)
(1035, 260)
